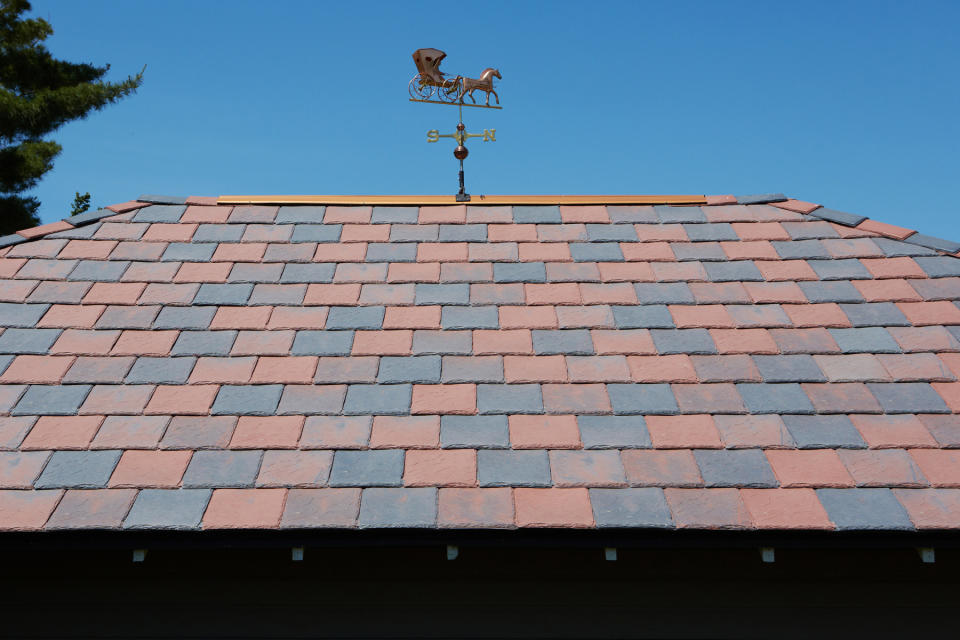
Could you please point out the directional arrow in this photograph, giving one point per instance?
(488, 135)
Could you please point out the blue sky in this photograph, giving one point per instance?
(849, 104)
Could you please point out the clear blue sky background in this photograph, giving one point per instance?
(849, 104)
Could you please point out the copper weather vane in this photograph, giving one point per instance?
(433, 86)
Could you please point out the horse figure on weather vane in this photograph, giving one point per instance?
(433, 86)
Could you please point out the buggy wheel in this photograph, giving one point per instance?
(451, 93)
(419, 90)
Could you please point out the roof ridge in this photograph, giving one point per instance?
(116, 213)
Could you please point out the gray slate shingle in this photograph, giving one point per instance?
(301, 213)
(480, 432)
(398, 508)
(355, 318)
(247, 400)
(818, 432)
(663, 293)
(384, 400)
(223, 294)
(374, 468)
(840, 217)
(614, 432)
(789, 368)
(322, 343)
(433, 294)
(715, 232)
(865, 340)
(193, 317)
(650, 316)
(427, 342)
(939, 266)
(674, 215)
(775, 398)
(875, 314)
(800, 249)
(830, 291)
(312, 272)
(28, 341)
(564, 341)
(463, 233)
(693, 341)
(14, 314)
(735, 468)
(530, 468)
(168, 509)
(734, 271)
(470, 318)
(204, 343)
(222, 469)
(78, 469)
(218, 233)
(99, 270)
(90, 217)
(596, 252)
(188, 252)
(394, 214)
(846, 269)
(316, 233)
(611, 233)
(864, 509)
(536, 214)
(420, 369)
(167, 212)
(648, 399)
(644, 507)
(509, 398)
(908, 397)
(148, 370)
(932, 242)
(519, 272)
(49, 400)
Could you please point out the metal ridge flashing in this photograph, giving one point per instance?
(451, 200)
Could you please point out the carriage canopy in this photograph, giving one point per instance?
(428, 63)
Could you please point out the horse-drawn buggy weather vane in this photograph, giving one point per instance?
(433, 86)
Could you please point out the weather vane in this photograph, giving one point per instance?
(431, 85)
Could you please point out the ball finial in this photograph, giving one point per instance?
(460, 152)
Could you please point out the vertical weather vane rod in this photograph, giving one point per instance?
(431, 85)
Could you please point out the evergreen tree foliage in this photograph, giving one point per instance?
(39, 94)
(81, 203)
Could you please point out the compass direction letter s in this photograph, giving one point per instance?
(433, 135)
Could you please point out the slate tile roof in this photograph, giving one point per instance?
(749, 362)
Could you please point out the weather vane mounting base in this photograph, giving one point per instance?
(463, 197)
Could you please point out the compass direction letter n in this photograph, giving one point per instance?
(489, 135)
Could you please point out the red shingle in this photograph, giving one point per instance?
(553, 508)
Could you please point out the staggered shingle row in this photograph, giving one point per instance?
(488, 508)
(480, 458)
(521, 397)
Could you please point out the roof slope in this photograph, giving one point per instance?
(741, 364)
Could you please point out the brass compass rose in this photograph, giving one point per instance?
(431, 85)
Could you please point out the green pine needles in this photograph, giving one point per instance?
(81, 203)
(38, 95)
